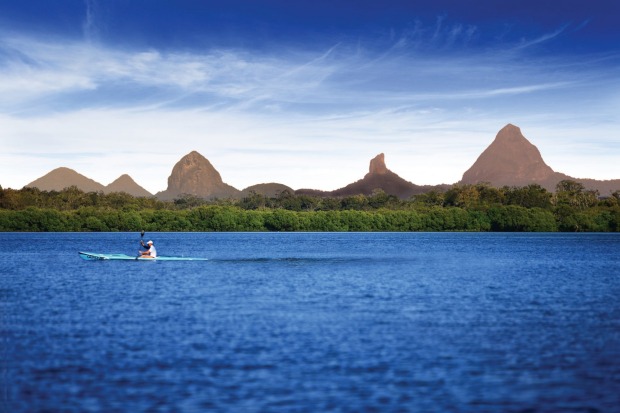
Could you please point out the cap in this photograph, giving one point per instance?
(150, 242)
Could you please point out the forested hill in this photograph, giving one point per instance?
(477, 207)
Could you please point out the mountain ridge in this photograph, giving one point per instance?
(510, 160)
(62, 177)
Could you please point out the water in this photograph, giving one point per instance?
(281, 322)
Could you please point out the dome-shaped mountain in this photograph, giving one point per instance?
(270, 190)
(125, 183)
(61, 178)
(194, 175)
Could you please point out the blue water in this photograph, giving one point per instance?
(290, 322)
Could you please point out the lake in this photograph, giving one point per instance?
(312, 322)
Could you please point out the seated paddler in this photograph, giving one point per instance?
(150, 251)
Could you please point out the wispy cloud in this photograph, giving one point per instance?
(581, 25)
(518, 90)
(344, 102)
(335, 78)
(542, 39)
(89, 26)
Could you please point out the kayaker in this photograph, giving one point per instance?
(150, 252)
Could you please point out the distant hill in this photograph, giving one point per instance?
(511, 160)
(194, 175)
(270, 190)
(125, 183)
(61, 178)
(379, 177)
(604, 187)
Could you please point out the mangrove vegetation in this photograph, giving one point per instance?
(462, 208)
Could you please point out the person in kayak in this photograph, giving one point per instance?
(150, 252)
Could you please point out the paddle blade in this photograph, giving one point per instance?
(142, 234)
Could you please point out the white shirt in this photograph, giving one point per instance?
(152, 251)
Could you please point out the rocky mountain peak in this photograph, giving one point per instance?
(193, 174)
(194, 159)
(377, 178)
(188, 172)
(510, 160)
(377, 165)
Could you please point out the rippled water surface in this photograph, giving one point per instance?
(312, 322)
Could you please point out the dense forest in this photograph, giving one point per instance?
(462, 208)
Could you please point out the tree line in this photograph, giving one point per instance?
(478, 207)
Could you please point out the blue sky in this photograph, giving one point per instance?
(304, 93)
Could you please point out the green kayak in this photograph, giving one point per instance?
(95, 256)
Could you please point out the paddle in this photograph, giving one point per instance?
(141, 242)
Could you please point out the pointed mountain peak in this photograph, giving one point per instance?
(124, 178)
(509, 160)
(377, 165)
(510, 127)
(125, 183)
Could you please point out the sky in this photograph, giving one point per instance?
(304, 93)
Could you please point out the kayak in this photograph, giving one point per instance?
(95, 256)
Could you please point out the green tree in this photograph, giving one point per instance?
(92, 223)
(187, 201)
(282, 220)
(573, 193)
(513, 218)
(462, 196)
(380, 199)
(356, 202)
(531, 196)
(326, 221)
(253, 200)
(429, 199)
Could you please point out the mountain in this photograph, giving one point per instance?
(270, 190)
(125, 183)
(194, 175)
(378, 177)
(61, 178)
(512, 160)
(604, 187)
